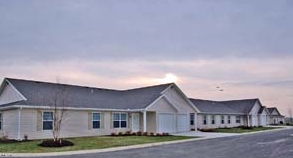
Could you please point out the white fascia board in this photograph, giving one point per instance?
(182, 94)
(153, 103)
(209, 113)
(68, 108)
(23, 97)
(170, 102)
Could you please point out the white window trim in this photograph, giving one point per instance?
(204, 119)
(96, 120)
(229, 119)
(113, 119)
(238, 119)
(213, 121)
(1, 118)
(47, 120)
(191, 119)
(222, 119)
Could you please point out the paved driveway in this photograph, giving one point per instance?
(274, 144)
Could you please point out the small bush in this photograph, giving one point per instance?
(133, 133)
(52, 143)
(152, 134)
(120, 133)
(139, 133)
(158, 134)
(192, 129)
(113, 134)
(247, 127)
(165, 134)
(127, 133)
(145, 133)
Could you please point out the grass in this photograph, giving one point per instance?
(242, 130)
(86, 143)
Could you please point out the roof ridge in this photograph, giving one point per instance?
(165, 84)
(63, 84)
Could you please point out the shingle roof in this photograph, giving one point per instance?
(42, 93)
(224, 107)
(272, 109)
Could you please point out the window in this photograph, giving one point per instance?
(47, 120)
(96, 120)
(222, 119)
(119, 120)
(204, 119)
(238, 119)
(213, 119)
(229, 119)
(0, 121)
(191, 118)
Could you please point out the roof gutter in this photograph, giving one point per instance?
(68, 108)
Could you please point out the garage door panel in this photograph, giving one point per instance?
(166, 123)
(183, 123)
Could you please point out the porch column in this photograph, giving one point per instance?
(19, 124)
(144, 121)
(248, 121)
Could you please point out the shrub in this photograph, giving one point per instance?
(25, 137)
(152, 134)
(145, 133)
(139, 133)
(127, 133)
(113, 134)
(158, 134)
(165, 134)
(192, 129)
(120, 133)
(133, 133)
(58, 143)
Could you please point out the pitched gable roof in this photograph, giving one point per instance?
(37, 93)
(225, 107)
(272, 109)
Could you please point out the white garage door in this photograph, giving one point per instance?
(183, 123)
(166, 123)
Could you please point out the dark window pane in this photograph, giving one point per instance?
(123, 124)
(0, 125)
(116, 116)
(116, 124)
(47, 125)
(96, 124)
(48, 116)
(123, 117)
(191, 122)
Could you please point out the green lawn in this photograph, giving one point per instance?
(242, 130)
(85, 143)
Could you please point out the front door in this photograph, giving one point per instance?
(135, 122)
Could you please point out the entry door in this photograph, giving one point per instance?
(135, 122)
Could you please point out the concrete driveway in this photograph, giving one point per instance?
(206, 134)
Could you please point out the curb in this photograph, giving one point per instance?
(79, 152)
(66, 153)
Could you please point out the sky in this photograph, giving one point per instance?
(218, 50)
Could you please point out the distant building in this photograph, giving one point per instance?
(275, 116)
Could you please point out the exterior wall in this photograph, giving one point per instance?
(254, 115)
(163, 105)
(75, 124)
(9, 123)
(9, 95)
(277, 119)
(218, 120)
(263, 118)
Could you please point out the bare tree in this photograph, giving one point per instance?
(58, 103)
(290, 115)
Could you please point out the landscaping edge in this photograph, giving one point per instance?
(64, 153)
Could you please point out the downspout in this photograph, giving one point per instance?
(19, 125)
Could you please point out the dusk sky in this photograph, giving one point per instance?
(243, 47)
